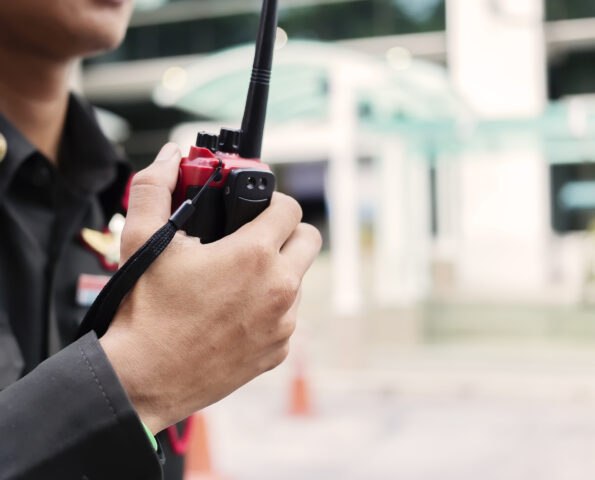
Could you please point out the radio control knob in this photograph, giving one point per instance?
(229, 140)
(206, 140)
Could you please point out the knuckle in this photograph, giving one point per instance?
(284, 293)
(282, 353)
(313, 233)
(292, 285)
(277, 357)
(244, 330)
(287, 327)
(259, 252)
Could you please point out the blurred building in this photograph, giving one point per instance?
(493, 197)
(166, 34)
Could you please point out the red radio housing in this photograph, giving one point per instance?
(200, 164)
(241, 191)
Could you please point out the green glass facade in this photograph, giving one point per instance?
(572, 74)
(569, 9)
(321, 21)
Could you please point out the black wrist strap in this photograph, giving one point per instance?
(101, 313)
(104, 307)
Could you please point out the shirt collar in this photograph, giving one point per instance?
(17, 151)
(88, 162)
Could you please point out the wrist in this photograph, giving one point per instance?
(129, 369)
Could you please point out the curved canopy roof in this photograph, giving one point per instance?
(396, 94)
(216, 86)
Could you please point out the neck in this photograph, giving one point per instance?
(34, 97)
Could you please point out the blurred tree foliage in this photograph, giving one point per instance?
(569, 9)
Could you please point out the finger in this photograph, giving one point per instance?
(277, 222)
(151, 190)
(302, 247)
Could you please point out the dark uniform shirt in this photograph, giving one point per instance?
(68, 417)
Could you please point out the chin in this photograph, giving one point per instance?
(100, 31)
(99, 42)
(76, 27)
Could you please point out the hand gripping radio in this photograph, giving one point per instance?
(222, 184)
(243, 186)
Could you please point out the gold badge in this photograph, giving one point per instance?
(3, 147)
(106, 244)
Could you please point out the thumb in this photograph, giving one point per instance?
(151, 189)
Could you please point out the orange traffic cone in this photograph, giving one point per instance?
(198, 458)
(300, 397)
(300, 402)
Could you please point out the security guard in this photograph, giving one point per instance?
(50, 219)
(90, 408)
(44, 262)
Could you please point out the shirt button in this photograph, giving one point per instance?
(3, 147)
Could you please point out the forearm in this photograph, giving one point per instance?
(70, 418)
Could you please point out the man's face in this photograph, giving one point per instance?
(63, 29)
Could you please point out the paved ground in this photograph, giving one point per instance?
(447, 391)
(434, 417)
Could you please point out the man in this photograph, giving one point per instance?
(203, 320)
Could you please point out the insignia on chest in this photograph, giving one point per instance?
(89, 287)
(106, 244)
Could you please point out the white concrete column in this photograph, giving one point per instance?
(402, 226)
(504, 223)
(497, 60)
(448, 206)
(497, 55)
(446, 251)
(342, 194)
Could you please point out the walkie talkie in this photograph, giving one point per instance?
(222, 184)
(243, 187)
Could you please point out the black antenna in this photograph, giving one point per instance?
(258, 93)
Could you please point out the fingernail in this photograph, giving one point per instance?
(169, 151)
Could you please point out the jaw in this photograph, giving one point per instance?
(76, 27)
